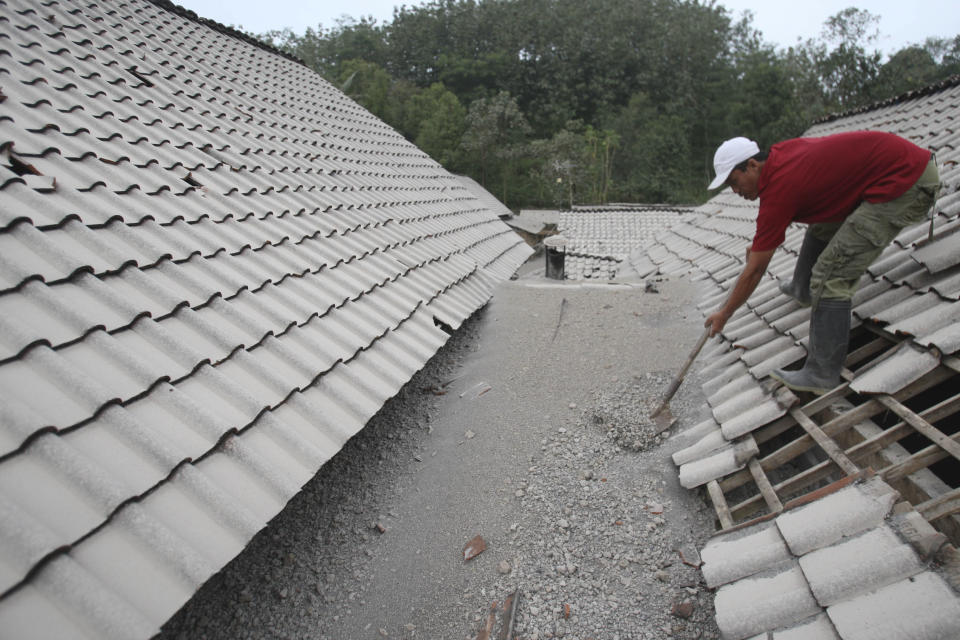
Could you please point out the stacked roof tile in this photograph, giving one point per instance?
(765, 450)
(600, 240)
(845, 566)
(214, 269)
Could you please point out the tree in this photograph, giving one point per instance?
(368, 84)
(846, 69)
(653, 85)
(496, 130)
(655, 164)
(910, 68)
(437, 120)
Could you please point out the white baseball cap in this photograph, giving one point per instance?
(730, 154)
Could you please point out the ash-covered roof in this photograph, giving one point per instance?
(214, 269)
(488, 199)
(600, 239)
(764, 448)
(535, 221)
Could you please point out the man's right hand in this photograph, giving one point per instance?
(716, 322)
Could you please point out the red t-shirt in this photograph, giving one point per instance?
(824, 179)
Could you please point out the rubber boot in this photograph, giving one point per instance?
(798, 288)
(826, 351)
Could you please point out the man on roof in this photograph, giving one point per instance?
(855, 191)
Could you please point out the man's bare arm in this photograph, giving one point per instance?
(750, 277)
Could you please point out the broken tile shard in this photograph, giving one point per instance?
(474, 548)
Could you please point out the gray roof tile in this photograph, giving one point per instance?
(816, 628)
(847, 512)
(764, 602)
(718, 464)
(946, 339)
(284, 300)
(919, 608)
(942, 252)
(707, 444)
(741, 554)
(853, 567)
(762, 410)
(905, 366)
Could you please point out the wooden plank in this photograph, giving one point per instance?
(900, 430)
(766, 489)
(867, 350)
(941, 506)
(719, 504)
(832, 428)
(951, 361)
(938, 437)
(785, 454)
(831, 448)
(919, 460)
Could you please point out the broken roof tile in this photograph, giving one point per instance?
(732, 556)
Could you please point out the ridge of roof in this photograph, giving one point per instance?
(224, 29)
(946, 83)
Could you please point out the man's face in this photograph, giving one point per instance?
(744, 182)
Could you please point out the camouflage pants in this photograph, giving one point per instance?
(857, 241)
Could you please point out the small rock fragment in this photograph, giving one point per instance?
(690, 556)
(474, 548)
(682, 609)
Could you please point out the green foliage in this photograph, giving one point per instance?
(368, 84)
(437, 121)
(575, 165)
(581, 102)
(655, 158)
(495, 134)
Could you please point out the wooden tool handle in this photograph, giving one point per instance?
(672, 389)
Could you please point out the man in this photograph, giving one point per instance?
(856, 191)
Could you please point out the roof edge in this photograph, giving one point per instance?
(946, 83)
(224, 29)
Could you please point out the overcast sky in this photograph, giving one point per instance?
(782, 22)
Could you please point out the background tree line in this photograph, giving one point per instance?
(555, 102)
